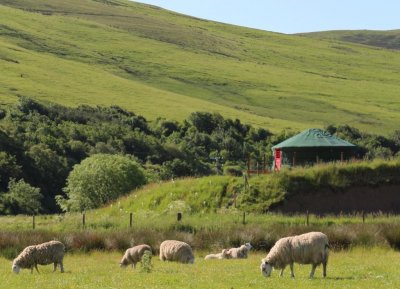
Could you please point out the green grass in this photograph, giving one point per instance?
(386, 39)
(358, 268)
(159, 63)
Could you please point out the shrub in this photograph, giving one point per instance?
(235, 171)
(22, 198)
(98, 180)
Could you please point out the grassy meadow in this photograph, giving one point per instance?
(136, 56)
(385, 39)
(357, 268)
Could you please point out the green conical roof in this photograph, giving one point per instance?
(313, 138)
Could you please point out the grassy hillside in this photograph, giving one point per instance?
(385, 39)
(159, 63)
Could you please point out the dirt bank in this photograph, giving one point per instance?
(354, 199)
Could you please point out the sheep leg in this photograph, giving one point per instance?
(62, 267)
(55, 267)
(314, 266)
(324, 269)
(36, 268)
(281, 274)
(291, 270)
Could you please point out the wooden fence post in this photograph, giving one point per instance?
(244, 218)
(363, 217)
(307, 218)
(130, 220)
(33, 222)
(84, 219)
(179, 217)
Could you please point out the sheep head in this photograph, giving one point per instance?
(15, 268)
(266, 268)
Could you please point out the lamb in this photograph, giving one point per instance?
(171, 250)
(310, 248)
(134, 255)
(42, 254)
(223, 255)
(241, 252)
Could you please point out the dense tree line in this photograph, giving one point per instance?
(41, 143)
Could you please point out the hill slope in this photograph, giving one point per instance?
(385, 39)
(159, 63)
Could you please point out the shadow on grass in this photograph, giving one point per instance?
(340, 278)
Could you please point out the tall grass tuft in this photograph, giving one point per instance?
(146, 265)
(392, 235)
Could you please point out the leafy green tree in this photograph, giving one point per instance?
(8, 169)
(21, 198)
(99, 179)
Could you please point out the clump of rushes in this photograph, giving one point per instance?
(146, 265)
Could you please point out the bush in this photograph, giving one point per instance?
(100, 179)
(21, 198)
(233, 171)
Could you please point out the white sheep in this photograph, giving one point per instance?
(134, 255)
(42, 254)
(171, 250)
(310, 248)
(223, 255)
(239, 253)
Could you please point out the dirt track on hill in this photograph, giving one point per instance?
(369, 199)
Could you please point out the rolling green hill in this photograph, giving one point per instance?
(386, 39)
(160, 63)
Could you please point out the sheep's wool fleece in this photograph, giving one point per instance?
(134, 254)
(307, 248)
(223, 255)
(240, 252)
(172, 250)
(41, 254)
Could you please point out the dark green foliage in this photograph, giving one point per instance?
(21, 198)
(236, 171)
(369, 146)
(42, 142)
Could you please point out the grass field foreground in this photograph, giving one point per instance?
(359, 268)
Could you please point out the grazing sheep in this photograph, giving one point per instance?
(311, 248)
(241, 252)
(134, 255)
(223, 255)
(42, 254)
(177, 251)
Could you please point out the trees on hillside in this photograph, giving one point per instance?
(41, 143)
(21, 198)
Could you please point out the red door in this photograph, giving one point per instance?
(278, 159)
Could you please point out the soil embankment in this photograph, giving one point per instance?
(370, 199)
